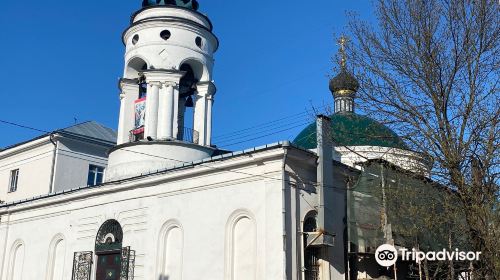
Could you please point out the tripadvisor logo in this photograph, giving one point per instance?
(387, 255)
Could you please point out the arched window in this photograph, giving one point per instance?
(109, 237)
(311, 253)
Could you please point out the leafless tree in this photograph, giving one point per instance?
(430, 70)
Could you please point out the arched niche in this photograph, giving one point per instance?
(170, 250)
(16, 263)
(241, 246)
(199, 68)
(134, 67)
(109, 237)
(55, 264)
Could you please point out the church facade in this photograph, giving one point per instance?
(172, 206)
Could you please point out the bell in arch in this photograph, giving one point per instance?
(189, 102)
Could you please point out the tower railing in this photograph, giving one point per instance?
(185, 134)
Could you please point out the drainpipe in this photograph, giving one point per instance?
(325, 180)
(54, 155)
(283, 210)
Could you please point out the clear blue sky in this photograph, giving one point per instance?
(63, 61)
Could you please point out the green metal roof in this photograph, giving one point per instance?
(352, 130)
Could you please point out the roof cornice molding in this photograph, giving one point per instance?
(26, 146)
(217, 164)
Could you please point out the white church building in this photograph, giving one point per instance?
(171, 205)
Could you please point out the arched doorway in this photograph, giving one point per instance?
(114, 262)
(108, 248)
(311, 253)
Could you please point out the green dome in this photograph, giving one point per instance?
(190, 4)
(352, 130)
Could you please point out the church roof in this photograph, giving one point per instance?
(352, 130)
(91, 129)
(190, 4)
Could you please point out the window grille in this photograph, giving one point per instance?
(82, 265)
(128, 264)
(311, 263)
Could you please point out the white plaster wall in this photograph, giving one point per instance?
(34, 162)
(73, 160)
(181, 46)
(149, 157)
(201, 199)
(353, 156)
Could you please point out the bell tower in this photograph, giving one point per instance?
(167, 91)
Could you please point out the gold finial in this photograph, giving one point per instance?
(343, 56)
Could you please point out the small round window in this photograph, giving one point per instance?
(199, 42)
(135, 39)
(165, 35)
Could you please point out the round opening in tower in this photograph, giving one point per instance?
(165, 35)
(199, 42)
(135, 39)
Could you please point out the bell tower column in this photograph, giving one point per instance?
(129, 92)
(161, 103)
(203, 112)
(166, 111)
(151, 126)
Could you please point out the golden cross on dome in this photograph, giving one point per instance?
(343, 56)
